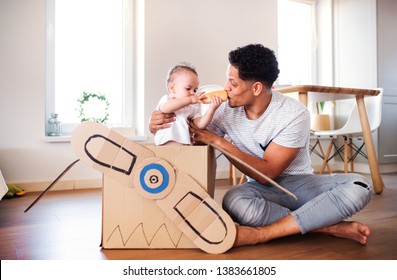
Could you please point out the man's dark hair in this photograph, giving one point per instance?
(255, 63)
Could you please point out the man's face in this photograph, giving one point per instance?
(239, 91)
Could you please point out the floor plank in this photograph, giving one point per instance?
(66, 225)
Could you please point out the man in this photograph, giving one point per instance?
(270, 132)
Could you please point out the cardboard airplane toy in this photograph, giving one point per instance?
(179, 196)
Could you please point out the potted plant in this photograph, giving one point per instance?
(320, 120)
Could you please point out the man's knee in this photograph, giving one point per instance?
(238, 203)
(367, 186)
(361, 191)
(231, 202)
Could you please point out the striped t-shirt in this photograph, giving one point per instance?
(286, 122)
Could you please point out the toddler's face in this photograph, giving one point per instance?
(185, 84)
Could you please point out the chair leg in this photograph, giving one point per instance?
(325, 161)
(351, 155)
(358, 151)
(242, 179)
(232, 174)
(345, 157)
(322, 154)
(319, 153)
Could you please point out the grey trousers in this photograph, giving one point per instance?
(323, 200)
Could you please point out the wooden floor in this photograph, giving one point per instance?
(66, 225)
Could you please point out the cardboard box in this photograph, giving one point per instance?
(131, 221)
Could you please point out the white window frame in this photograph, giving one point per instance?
(314, 45)
(131, 82)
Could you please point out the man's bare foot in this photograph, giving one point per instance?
(254, 235)
(247, 236)
(350, 230)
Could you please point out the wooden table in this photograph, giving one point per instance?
(321, 93)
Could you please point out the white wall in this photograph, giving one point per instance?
(355, 43)
(355, 52)
(325, 52)
(202, 32)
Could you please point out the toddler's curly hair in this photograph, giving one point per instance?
(178, 68)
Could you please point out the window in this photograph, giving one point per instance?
(89, 45)
(297, 42)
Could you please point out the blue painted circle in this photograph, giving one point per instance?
(163, 172)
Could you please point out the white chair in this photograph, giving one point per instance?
(352, 129)
(319, 122)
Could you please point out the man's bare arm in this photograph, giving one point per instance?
(159, 120)
(275, 160)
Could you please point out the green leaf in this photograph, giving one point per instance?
(93, 98)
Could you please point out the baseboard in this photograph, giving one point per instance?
(388, 168)
(364, 168)
(61, 185)
(332, 166)
(220, 174)
(359, 167)
(225, 174)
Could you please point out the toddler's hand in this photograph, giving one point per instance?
(194, 99)
(201, 97)
(216, 101)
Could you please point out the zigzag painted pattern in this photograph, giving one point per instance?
(124, 240)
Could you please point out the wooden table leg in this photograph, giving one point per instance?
(303, 97)
(369, 144)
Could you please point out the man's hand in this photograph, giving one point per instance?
(203, 136)
(159, 120)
